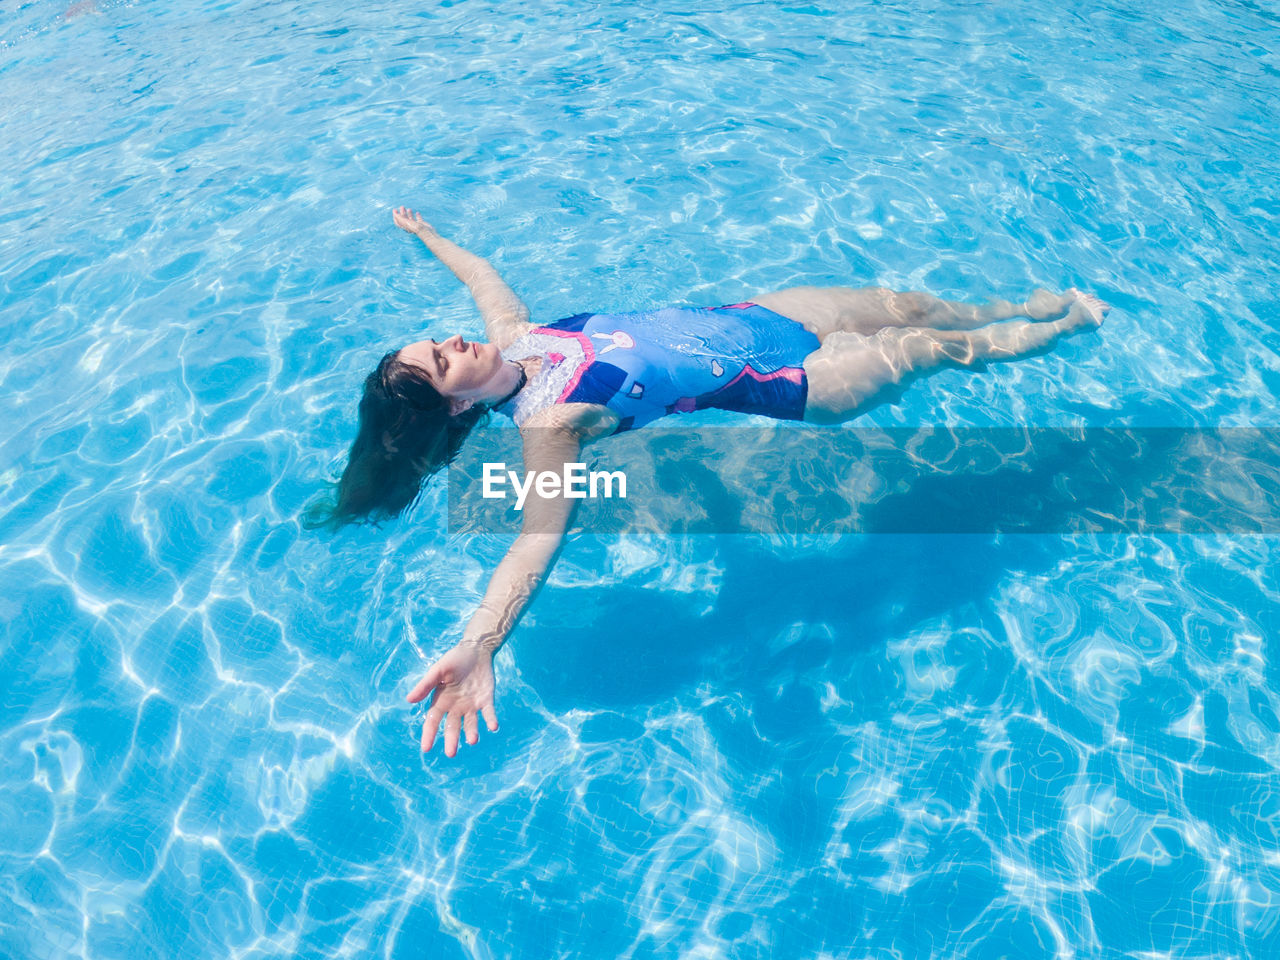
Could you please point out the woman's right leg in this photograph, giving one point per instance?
(825, 310)
(851, 373)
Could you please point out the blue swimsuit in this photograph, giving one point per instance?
(645, 365)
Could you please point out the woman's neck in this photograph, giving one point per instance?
(508, 381)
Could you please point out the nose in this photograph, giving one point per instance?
(456, 343)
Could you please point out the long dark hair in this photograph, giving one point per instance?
(406, 433)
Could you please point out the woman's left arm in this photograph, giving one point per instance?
(463, 677)
(505, 316)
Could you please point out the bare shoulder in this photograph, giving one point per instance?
(508, 332)
(584, 421)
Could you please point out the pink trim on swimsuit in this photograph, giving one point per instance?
(588, 357)
(794, 374)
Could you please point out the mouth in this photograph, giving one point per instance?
(475, 349)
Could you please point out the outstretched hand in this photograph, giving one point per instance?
(463, 683)
(409, 220)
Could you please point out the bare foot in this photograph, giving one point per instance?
(1045, 304)
(81, 8)
(1087, 312)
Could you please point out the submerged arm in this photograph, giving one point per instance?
(463, 677)
(542, 529)
(505, 316)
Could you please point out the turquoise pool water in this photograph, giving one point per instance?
(909, 746)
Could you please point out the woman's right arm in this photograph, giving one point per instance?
(463, 678)
(505, 316)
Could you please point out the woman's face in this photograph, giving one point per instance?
(457, 369)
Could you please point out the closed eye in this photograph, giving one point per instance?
(441, 363)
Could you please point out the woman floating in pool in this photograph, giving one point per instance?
(824, 355)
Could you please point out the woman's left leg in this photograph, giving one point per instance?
(825, 310)
(851, 373)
